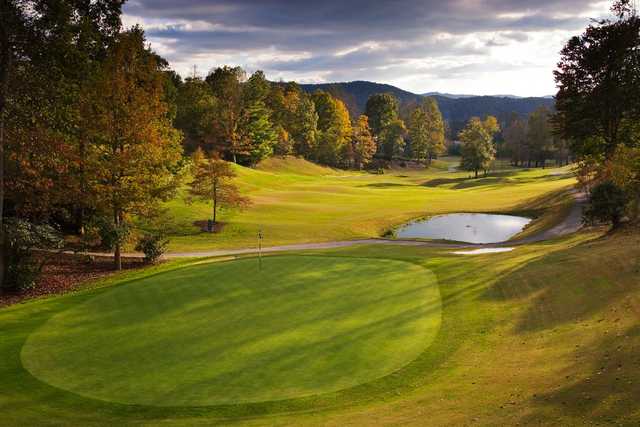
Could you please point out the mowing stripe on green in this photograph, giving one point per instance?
(228, 332)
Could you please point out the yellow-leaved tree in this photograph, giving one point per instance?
(133, 151)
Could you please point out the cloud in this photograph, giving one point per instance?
(427, 41)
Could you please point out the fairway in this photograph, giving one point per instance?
(227, 332)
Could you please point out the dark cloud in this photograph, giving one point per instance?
(345, 38)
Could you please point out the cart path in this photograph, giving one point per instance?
(569, 225)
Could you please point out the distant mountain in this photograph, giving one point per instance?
(455, 110)
(448, 95)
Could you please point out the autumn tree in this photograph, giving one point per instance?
(213, 182)
(334, 128)
(426, 131)
(133, 149)
(226, 84)
(363, 146)
(478, 150)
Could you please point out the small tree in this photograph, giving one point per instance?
(607, 203)
(213, 182)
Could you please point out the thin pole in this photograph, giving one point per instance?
(259, 249)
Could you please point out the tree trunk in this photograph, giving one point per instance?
(5, 69)
(215, 203)
(476, 171)
(117, 258)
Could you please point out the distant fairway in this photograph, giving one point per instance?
(295, 201)
(224, 333)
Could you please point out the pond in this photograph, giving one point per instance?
(465, 227)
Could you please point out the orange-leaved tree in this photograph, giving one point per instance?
(213, 182)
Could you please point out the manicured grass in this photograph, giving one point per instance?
(544, 335)
(225, 333)
(295, 201)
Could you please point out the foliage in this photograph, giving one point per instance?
(196, 113)
(607, 203)
(477, 148)
(213, 182)
(624, 170)
(382, 110)
(363, 145)
(426, 131)
(133, 152)
(257, 131)
(391, 140)
(21, 239)
(153, 245)
(334, 129)
(599, 95)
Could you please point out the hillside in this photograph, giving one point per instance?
(454, 110)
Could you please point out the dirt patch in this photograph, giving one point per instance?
(65, 273)
(203, 226)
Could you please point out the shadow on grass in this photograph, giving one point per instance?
(493, 180)
(566, 286)
(386, 185)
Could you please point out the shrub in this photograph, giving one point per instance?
(607, 203)
(108, 233)
(153, 245)
(21, 240)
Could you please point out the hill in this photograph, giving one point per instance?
(454, 110)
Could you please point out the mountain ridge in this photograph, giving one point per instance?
(456, 111)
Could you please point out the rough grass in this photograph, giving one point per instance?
(295, 201)
(547, 334)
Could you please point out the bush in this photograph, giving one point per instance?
(107, 232)
(153, 245)
(22, 265)
(607, 203)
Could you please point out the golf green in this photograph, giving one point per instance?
(229, 332)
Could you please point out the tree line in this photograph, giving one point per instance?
(248, 119)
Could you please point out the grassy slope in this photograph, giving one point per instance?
(545, 334)
(295, 201)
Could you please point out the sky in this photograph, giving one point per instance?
(480, 47)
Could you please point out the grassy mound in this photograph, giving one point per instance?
(228, 333)
(295, 166)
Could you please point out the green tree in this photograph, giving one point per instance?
(598, 95)
(134, 150)
(478, 150)
(196, 113)
(363, 145)
(426, 131)
(515, 137)
(334, 128)
(257, 132)
(391, 140)
(540, 139)
(382, 110)
(213, 182)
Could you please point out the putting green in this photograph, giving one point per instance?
(224, 333)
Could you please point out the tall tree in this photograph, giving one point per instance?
(426, 131)
(478, 150)
(597, 77)
(257, 132)
(539, 136)
(382, 110)
(391, 140)
(515, 136)
(363, 146)
(334, 128)
(196, 113)
(213, 182)
(226, 84)
(134, 150)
